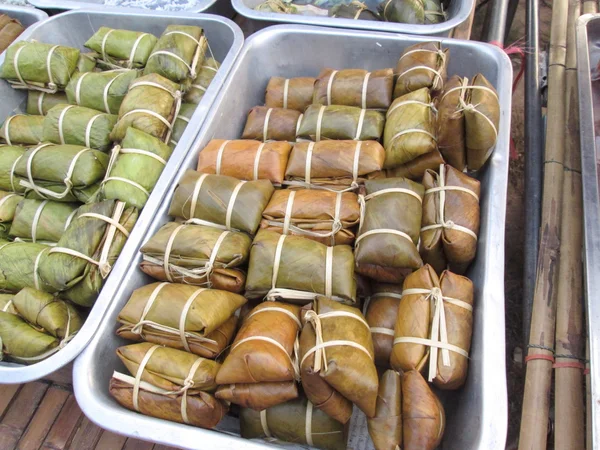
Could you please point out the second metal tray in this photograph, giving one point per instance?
(26, 15)
(220, 7)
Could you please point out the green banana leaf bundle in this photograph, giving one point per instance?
(9, 202)
(421, 65)
(209, 322)
(87, 62)
(355, 10)
(340, 122)
(76, 125)
(385, 428)
(10, 29)
(381, 310)
(386, 245)
(135, 167)
(287, 422)
(22, 129)
(276, 6)
(39, 103)
(191, 259)
(217, 194)
(205, 74)
(177, 53)
(18, 264)
(417, 12)
(181, 122)
(258, 396)
(148, 97)
(121, 48)
(302, 270)
(9, 156)
(355, 87)
(26, 66)
(102, 91)
(58, 172)
(22, 342)
(416, 168)
(169, 369)
(42, 221)
(6, 304)
(271, 124)
(410, 128)
(290, 93)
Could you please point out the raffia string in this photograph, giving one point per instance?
(286, 87)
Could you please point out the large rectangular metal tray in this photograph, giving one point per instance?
(457, 13)
(26, 15)
(476, 414)
(588, 60)
(74, 28)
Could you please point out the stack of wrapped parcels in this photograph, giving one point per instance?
(346, 219)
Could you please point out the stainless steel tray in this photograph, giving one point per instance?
(74, 28)
(26, 15)
(457, 13)
(588, 58)
(220, 7)
(476, 414)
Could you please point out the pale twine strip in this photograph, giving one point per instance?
(36, 219)
(410, 102)
(52, 87)
(12, 173)
(78, 88)
(308, 162)
(36, 264)
(7, 306)
(107, 91)
(138, 376)
(134, 49)
(40, 103)
(231, 203)
(320, 122)
(308, 423)
(298, 123)
(220, 156)
(7, 128)
(266, 124)
(88, 130)
(69, 219)
(365, 83)
(257, 161)
(329, 86)
(359, 126)
(61, 119)
(5, 199)
(264, 424)
(286, 87)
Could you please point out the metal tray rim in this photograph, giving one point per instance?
(35, 13)
(67, 5)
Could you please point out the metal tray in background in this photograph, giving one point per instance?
(588, 60)
(73, 29)
(477, 414)
(457, 13)
(24, 14)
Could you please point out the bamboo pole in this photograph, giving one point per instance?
(538, 379)
(569, 430)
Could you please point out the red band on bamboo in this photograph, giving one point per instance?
(568, 365)
(586, 372)
(539, 356)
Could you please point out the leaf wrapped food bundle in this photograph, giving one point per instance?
(10, 29)
(355, 10)
(272, 124)
(434, 11)
(44, 221)
(385, 428)
(245, 159)
(19, 262)
(290, 93)
(9, 202)
(22, 129)
(158, 313)
(296, 269)
(121, 48)
(355, 87)
(7, 306)
(198, 255)
(381, 311)
(421, 65)
(181, 122)
(26, 66)
(451, 122)
(416, 168)
(9, 157)
(86, 62)
(258, 396)
(39, 103)
(206, 73)
(340, 122)
(76, 125)
(221, 201)
(22, 342)
(296, 422)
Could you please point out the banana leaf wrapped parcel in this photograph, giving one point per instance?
(289, 93)
(197, 255)
(205, 74)
(417, 12)
(381, 310)
(40, 67)
(272, 124)
(19, 263)
(340, 122)
(426, 335)
(10, 29)
(9, 157)
(221, 201)
(355, 10)
(24, 343)
(198, 320)
(7, 306)
(258, 396)
(296, 269)
(336, 359)
(181, 122)
(421, 65)
(245, 159)
(121, 48)
(87, 62)
(39, 103)
(415, 169)
(355, 87)
(385, 428)
(297, 422)
(22, 129)
(9, 202)
(42, 220)
(451, 122)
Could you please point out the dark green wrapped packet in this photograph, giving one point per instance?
(181, 122)
(416, 12)
(39, 103)
(42, 221)
(9, 157)
(355, 10)
(340, 122)
(22, 129)
(22, 342)
(19, 262)
(121, 48)
(206, 73)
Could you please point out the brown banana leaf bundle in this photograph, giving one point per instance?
(39, 103)
(23, 129)
(181, 122)
(416, 168)
(170, 369)
(355, 10)
(417, 319)
(191, 259)
(201, 409)
(177, 53)
(209, 323)
(410, 128)
(121, 48)
(245, 159)
(451, 122)
(18, 264)
(205, 74)
(148, 97)
(304, 269)
(272, 124)
(26, 66)
(381, 313)
(332, 163)
(421, 65)
(102, 91)
(76, 125)
(9, 156)
(385, 428)
(343, 373)
(258, 396)
(134, 168)
(287, 422)
(355, 87)
(326, 217)
(44, 221)
(290, 93)
(386, 246)
(450, 223)
(24, 343)
(9, 202)
(208, 198)
(340, 122)
(6, 304)
(10, 29)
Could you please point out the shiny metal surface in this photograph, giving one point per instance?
(588, 58)
(26, 15)
(220, 7)
(74, 28)
(477, 414)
